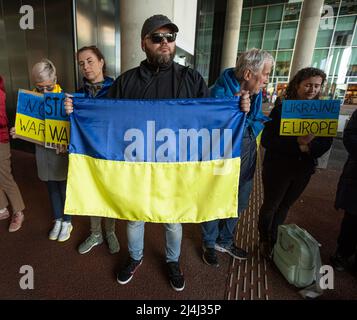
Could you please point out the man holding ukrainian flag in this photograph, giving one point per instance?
(170, 175)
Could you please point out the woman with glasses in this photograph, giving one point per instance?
(52, 164)
(9, 191)
(289, 161)
(96, 85)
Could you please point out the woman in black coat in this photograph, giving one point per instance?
(289, 161)
(346, 198)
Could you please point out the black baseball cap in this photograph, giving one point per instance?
(155, 22)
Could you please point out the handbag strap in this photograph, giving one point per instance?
(314, 290)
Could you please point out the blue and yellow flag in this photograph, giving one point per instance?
(30, 117)
(167, 161)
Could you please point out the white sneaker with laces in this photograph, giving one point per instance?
(65, 231)
(55, 230)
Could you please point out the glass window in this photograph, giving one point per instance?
(344, 31)
(255, 37)
(354, 43)
(258, 15)
(202, 65)
(245, 16)
(243, 37)
(330, 8)
(352, 69)
(275, 13)
(319, 59)
(283, 62)
(348, 7)
(338, 60)
(325, 33)
(287, 35)
(273, 53)
(207, 6)
(271, 36)
(259, 2)
(206, 21)
(333, 61)
(292, 11)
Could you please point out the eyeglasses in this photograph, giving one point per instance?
(158, 37)
(43, 88)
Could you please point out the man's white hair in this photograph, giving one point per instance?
(253, 60)
(44, 71)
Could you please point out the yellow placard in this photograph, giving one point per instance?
(29, 128)
(57, 131)
(303, 127)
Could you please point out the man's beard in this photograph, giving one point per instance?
(160, 59)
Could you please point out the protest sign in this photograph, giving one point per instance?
(41, 118)
(303, 117)
(30, 117)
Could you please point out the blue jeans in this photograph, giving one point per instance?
(135, 233)
(57, 193)
(221, 231)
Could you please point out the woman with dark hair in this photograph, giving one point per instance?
(93, 68)
(96, 85)
(9, 191)
(289, 161)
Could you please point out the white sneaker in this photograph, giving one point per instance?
(4, 214)
(55, 230)
(65, 231)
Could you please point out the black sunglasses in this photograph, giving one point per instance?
(158, 37)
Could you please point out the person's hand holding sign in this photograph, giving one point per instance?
(13, 133)
(304, 141)
(61, 148)
(244, 100)
(68, 104)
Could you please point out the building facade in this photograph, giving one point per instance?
(273, 26)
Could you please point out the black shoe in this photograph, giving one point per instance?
(341, 263)
(209, 256)
(177, 280)
(235, 252)
(127, 273)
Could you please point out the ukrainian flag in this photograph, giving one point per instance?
(165, 161)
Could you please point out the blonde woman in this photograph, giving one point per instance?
(52, 164)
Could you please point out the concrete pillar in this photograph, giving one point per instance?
(307, 33)
(231, 33)
(133, 13)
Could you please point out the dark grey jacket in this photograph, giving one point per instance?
(51, 166)
(346, 196)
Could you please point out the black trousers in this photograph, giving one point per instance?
(347, 239)
(283, 185)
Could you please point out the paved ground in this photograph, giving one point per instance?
(61, 273)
